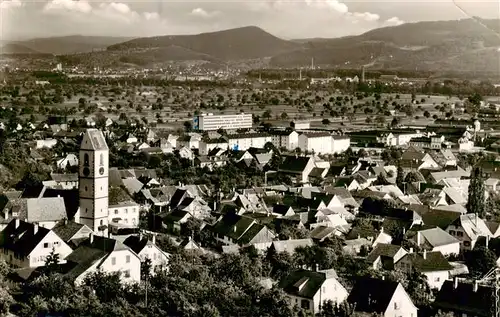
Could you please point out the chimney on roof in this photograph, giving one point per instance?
(234, 229)
(35, 228)
(140, 235)
(455, 282)
(419, 238)
(475, 286)
(381, 229)
(411, 250)
(383, 277)
(65, 221)
(17, 222)
(317, 267)
(425, 254)
(91, 237)
(154, 239)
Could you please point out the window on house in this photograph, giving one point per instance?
(126, 210)
(305, 304)
(460, 234)
(101, 222)
(113, 261)
(56, 244)
(452, 232)
(116, 211)
(127, 273)
(154, 256)
(467, 243)
(127, 259)
(396, 306)
(46, 245)
(436, 279)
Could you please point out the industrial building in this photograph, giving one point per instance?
(210, 122)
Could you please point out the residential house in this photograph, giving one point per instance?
(233, 229)
(191, 141)
(467, 229)
(309, 289)
(69, 161)
(186, 153)
(321, 233)
(431, 264)
(385, 256)
(26, 244)
(147, 249)
(205, 146)
(47, 143)
(417, 159)
(297, 167)
(45, 212)
(103, 254)
(64, 181)
(211, 162)
(388, 298)
(436, 240)
(290, 245)
(124, 213)
(283, 210)
(465, 299)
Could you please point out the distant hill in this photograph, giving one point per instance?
(16, 49)
(465, 45)
(69, 44)
(234, 44)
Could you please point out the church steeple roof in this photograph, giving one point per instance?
(93, 140)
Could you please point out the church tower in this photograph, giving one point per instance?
(93, 181)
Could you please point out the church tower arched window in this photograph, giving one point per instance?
(85, 159)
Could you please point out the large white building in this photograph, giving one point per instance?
(211, 122)
(285, 139)
(242, 142)
(317, 142)
(93, 181)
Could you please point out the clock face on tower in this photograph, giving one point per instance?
(101, 170)
(86, 171)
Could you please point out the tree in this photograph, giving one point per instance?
(400, 177)
(476, 199)
(325, 121)
(480, 261)
(427, 114)
(188, 126)
(146, 267)
(52, 262)
(284, 115)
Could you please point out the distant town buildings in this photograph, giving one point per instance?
(210, 122)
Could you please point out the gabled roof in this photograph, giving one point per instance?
(321, 232)
(45, 209)
(232, 225)
(428, 261)
(472, 225)
(303, 283)
(295, 164)
(437, 237)
(464, 299)
(372, 295)
(281, 209)
(73, 177)
(67, 229)
(440, 218)
(383, 249)
(20, 236)
(136, 244)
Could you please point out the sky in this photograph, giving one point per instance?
(288, 19)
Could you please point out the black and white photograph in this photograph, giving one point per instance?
(250, 158)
